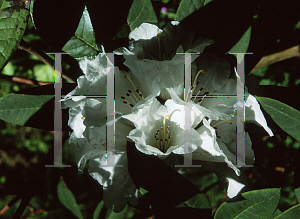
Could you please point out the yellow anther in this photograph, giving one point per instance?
(82, 118)
(222, 122)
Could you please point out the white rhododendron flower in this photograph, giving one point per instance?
(211, 76)
(87, 118)
(150, 111)
(160, 129)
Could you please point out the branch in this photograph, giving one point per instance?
(23, 80)
(44, 58)
(277, 57)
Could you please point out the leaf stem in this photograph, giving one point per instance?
(43, 57)
(277, 57)
(23, 80)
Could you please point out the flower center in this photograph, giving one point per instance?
(162, 137)
(193, 88)
(132, 96)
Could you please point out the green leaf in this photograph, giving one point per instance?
(258, 204)
(98, 210)
(297, 193)
(143, 191)
(141, 11)
(286, 117)
(83, 43)
(276, 213)
(18, 108)
(13, 21)
(242, 45)
(67, 198)
(199, 201)
(112, 215)
(291, 213)
(187, 7)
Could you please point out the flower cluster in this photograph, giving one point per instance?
(150, 105)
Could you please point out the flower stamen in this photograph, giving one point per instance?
(128, 95)
(137, 100)
(164, 124)
(222, 122)
(137, 90)
(128, 104)
(201, 71)
(201, 89)
(162, 136)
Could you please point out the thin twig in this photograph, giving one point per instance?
(11, 203)
(277, 57)
(23, 80)
(44, 58)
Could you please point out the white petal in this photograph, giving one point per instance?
(254, 114)
(234, 183)
(211, 150)
(249, 153)
(76, 121)
(94, 112)
(83, 149)
(234, 187)
(218, 71)
(171, 74)
(118, 187)
(225, 130)
(144, 31)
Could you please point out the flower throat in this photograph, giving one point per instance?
(162, 137)
(131, 95)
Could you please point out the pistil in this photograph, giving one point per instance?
(162, 136)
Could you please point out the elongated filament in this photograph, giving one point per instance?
(127, 76)
(201, 71)
(222, 122)
(164, 125)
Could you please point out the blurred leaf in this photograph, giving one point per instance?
(187, 7)
(43, 73)
(291, 213)
(152, 174)
(13, 22)
(45, 113)
(143, 191)
(242, 45)
(98, 210)
(286, 117)
(258, 204)
(56, 20)
(112, 215)
(276, 213)
(216, 20)
(67, 198)
(141, 11)
(297, 193)
(107, 19)
(18, 108)
(83, 43)
(199, 201)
